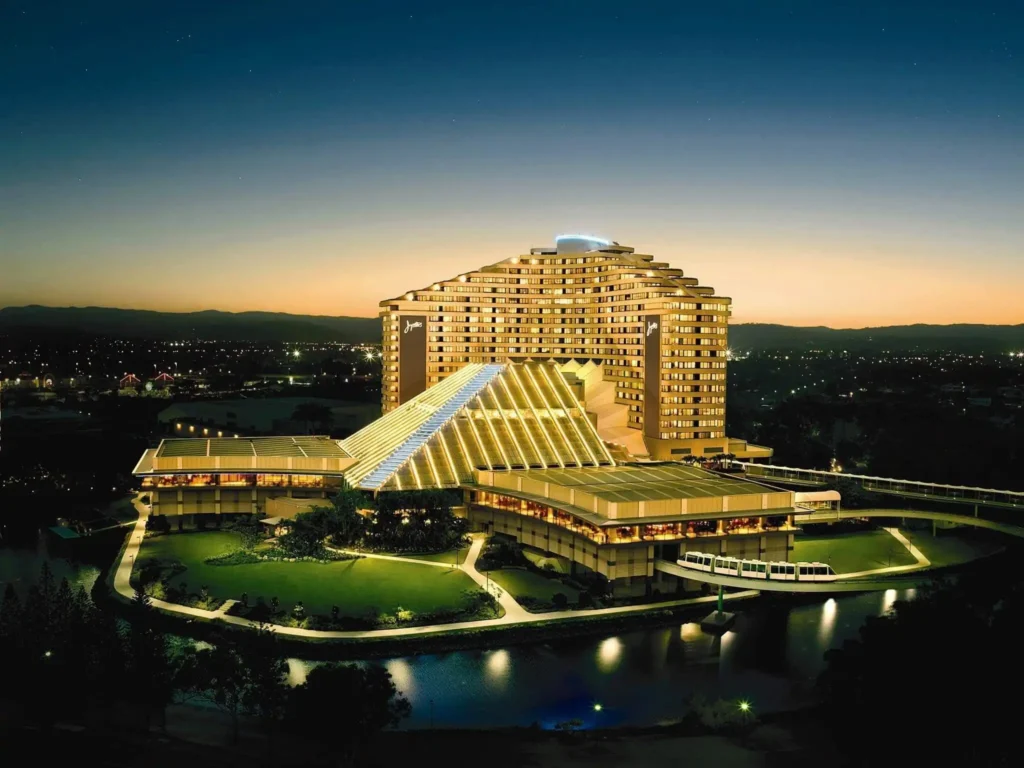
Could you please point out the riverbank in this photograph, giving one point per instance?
(200, 738)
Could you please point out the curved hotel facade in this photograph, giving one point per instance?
(555, 389)
(646, 344)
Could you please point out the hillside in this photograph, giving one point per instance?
(953, 338)
(279, 326)
(210, 324)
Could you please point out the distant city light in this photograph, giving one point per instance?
(295, 353)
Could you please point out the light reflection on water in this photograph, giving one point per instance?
(828, 621)
(888, 600)
(640, 678)
(609, 653)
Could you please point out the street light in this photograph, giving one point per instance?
(744, 706)
(598, 707)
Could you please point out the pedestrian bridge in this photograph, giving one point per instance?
(914, 489)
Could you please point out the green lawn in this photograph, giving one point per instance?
(448, 556)
(852, 552)
(364, 587)
(529, 584)
(949, 547)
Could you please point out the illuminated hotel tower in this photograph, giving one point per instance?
(643, 345)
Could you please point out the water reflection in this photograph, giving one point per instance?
(828, 622)
(498, 664)
(609, 653)
(297, 671)
(888, 600)
(401, 673)
(691, 632)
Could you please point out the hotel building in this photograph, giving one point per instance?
(645, 345)
(552, 389)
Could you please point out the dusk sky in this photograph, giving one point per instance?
(838, 163)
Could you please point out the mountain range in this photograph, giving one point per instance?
(282, 327)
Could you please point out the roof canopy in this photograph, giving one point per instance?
(314, 454)
(646, 482)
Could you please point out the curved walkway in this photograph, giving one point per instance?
(516, 616)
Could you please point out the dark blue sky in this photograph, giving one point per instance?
(383, 145)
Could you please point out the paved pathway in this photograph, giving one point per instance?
(515, 614)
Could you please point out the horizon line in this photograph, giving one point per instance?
(375, 317)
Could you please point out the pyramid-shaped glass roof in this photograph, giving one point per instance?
(494, 416)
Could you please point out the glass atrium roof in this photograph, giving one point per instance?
(493, 416)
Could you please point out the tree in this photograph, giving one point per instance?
(265, 695)
(240, 674)
(341, 520)
(251, 533)
(954, 643)
(148, 663)
(347, 705)
(217, 676)
(57, 640)
(415, 521)
(303, 539)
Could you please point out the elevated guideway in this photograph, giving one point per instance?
(886, 578)
(913, 489)
(767, 585)
(829, 516)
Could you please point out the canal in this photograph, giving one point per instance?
(771, 658)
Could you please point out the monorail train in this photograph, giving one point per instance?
(757, 569)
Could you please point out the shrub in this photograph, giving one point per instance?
(560, 601)
(157, 524)
(238, 557)
(585, 600)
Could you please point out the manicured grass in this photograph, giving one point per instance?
(853, 551)
(363, 588)
(949, 547)
(529, 584)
